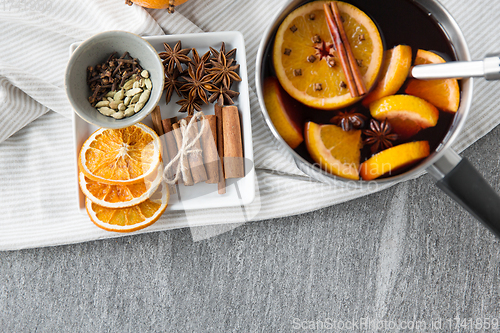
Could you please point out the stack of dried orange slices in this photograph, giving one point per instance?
(121, 177)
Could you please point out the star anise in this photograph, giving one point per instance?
(349, 120)
(198, 84)
(215, 53)
(222, 92)
(171, 84)
(379, 135)
(223, 71)
(196, 60)
(324, 50)
(174, 57)
(189, 104)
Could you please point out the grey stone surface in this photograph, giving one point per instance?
(406, 255)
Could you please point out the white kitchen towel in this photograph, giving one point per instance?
(36, 151)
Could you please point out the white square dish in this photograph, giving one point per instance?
(199, 196)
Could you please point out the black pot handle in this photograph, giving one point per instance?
(464, 184)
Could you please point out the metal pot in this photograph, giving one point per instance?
(453, 174)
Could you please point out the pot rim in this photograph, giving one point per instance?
(458, 43)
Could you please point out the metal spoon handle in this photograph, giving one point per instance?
(489, 68)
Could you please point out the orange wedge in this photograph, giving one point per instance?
(406, 114)
(335, 150)
(130, 218)
(443, 94)
(119, 196)
(394, 158)
(308, 67)
(281, 112)
(120, 156)
(397, 64)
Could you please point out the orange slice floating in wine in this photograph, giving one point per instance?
(335, 150)
(282, 113)
(397, 64)
(308, 67)
(442, 93)
(393, 159)
(406, 114)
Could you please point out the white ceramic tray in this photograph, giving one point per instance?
(199, 196)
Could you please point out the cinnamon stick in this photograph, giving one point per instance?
(234, 165)
(209, 143)
(170, 141)
(360, 84)
(186, 172)
(195, 158)
(339, 46)
(221, 185)
(158, 128)
(157, 124)
(169, 138)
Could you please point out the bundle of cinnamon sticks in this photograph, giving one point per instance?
(221, 140)
(349, 64)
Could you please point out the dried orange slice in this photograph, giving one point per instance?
(303, 50)
(119, 196)
(443, 94)
(397, 64)
(406, 114)
(335, 150)
(394, 158)
(281, 112)
(130, 218)
(120, 156)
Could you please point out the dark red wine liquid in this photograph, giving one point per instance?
(400, 22)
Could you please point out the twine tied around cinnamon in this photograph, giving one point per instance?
(185, 149)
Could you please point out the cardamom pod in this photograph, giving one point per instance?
(129, 111)
(106, 111)
(101, 104)
(118, 115)
(148, 83)
(114, 105)
(126, 102)
(144, 96)
(138, 107)
(119, 95)
(145, 74)
(129, 84)
(121, 107)
(133, 92)
(135, 99)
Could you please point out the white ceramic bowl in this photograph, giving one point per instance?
(96, 50)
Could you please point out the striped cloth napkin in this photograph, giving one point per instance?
(37, 167)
